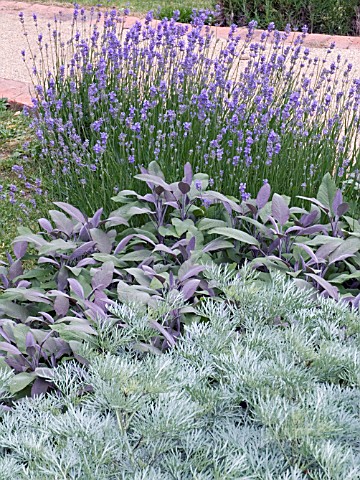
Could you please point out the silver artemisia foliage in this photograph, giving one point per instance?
(266, 388)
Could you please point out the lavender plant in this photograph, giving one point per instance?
(108, 100)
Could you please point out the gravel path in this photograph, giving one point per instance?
(12, 39)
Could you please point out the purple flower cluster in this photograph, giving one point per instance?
(166, 92)
(25, 193)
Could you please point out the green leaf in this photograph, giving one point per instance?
(128, 294)
(80, 328)
(182, 226)
(146, 232)
(354, 234)
(168, 232)
(26, 294)
(145, 348)
(209, 223)
(138, 211)
(238, 235)
(271, 261)
(154, 169)
(304, 285)
(74, 332)
(38, 273)
(156, 284)
(139, 276)
(344, 277)
(37, 240)
(353, 223)
(124, 194)
(13, 310)
(204, 179)
(23, 231)
(327, 191)
(102, 239)
(20, 381)
(75, 270)
(76, 346)
(137, 256)
(56, 246)
(4, 365)
(44, 372)
(324, 239)
(20, 331)
(260, 227)
(105, 257)
(348, 248)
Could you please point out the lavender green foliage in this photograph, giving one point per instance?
(267, 387)
(110, 99)
(331, 17)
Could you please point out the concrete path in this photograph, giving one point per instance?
(15, 82)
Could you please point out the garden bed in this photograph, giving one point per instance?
(194, 311)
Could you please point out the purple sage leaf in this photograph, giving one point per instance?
(95, 220)
(330, 289)
(7, 347)
(45, 224)
(163, 331)
(103, 276)
(84, 249)
(39, 387)
(188, 173)
(72, 211)
(61, 305)
(342, 209)
(19, 249)
(280, 211)
(76, 288)
(263, 196)
(189, 288)
(338, 200)
(192, 272)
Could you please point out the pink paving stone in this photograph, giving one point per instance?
(17, 93)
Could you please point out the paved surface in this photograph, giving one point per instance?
(15, 81)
